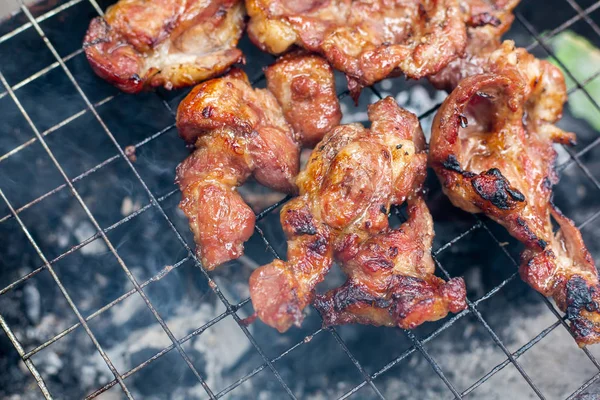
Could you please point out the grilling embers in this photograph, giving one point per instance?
(179, 287)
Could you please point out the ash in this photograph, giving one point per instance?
(318, 367)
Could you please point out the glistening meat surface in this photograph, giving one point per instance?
(367, 40)
(486, 21)
(238, 131)
(391, 279)
(304, 86)
(142, 44)
(491, 147)
(352, 178)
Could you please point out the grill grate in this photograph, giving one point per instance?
(232, 309)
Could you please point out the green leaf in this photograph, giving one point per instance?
(582, 59)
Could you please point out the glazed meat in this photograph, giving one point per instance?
(487, 21)
(351, 180)
(304, 86)
(491, 147)
(238, 131)
(367, 40)
(170, 43)
(391, 279)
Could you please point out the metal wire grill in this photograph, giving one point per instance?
(541, 39)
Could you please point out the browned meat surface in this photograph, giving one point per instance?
(487, 21)
(304, 86)
(170, 43)
(238, 131)
(367, 40)
(391, 279)
(351, 180)
(491, 147)
(219, 218)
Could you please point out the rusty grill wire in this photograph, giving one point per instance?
(231, 309)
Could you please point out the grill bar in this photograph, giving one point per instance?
(546, 301)
(433, 364)
(124, 296)
(585, 15)
(494, 336)
(41, 18)
(263, 366)
(584, 386)
(43, 257)
(550, 52)
(232, 309)
(164, 351)
(566, 24)
(515, 355)
(408, 352)
(86, 173)
(42, 72)
(30, 366)
(355, 362)
(93, 219)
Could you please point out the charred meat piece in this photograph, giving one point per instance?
(391, 279)
(304, 86)
(170, 43)
(367, 40)
(487, 21)
(491, 147)
(238, 131)
(352, 178)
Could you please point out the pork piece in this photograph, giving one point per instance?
(491, 147)
(238, 131)
(351, 180)
(142, 44)
(543, 87)
(391, 279)
(487, 21)
(304, 86)
(367, 40)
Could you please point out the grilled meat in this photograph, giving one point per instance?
(367, 40)
(238, 131)
(491, 147)
(304, 86)
(391, 279)
(487, 21)
(170, 43)
(352, 178)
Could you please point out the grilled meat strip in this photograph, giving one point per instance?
(367, 40)
(353, 177)
(391, 279)
(491, 147)
(238, 131)
(143, 44)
